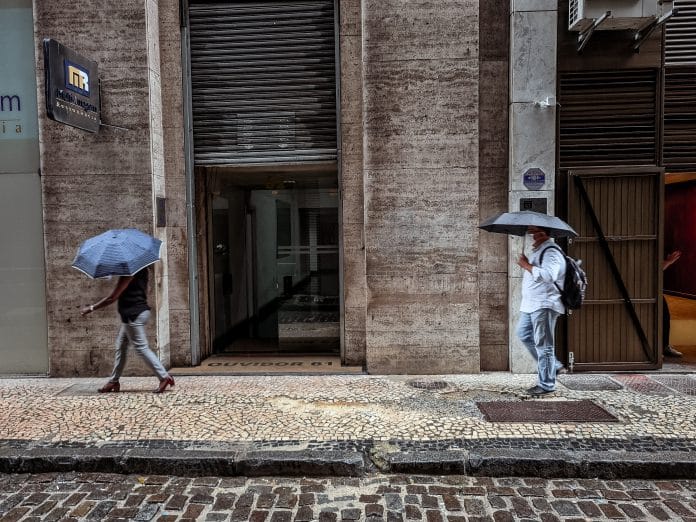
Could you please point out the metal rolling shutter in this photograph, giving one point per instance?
(680, 35)
(263, 82)
(608, 118)
(679, 149)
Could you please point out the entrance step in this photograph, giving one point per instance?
(270, 365)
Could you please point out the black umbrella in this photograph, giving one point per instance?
(517, 223)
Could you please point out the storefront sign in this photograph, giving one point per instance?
(534, 179)
(72, 87)
(19, 134)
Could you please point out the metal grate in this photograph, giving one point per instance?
(428, 385)
(681, 383)
(680, 35)
(679, 152)
(263, 82)
(608, 118)
(545, 411)
(589, 382)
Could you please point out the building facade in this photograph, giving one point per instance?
(315, 170)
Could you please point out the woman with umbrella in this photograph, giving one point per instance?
(128, 254)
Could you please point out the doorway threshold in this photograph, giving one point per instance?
(270, 365)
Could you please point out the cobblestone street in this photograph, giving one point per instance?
(84, 496)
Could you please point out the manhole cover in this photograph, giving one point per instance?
(428, 385)
(642, 384)
(545, 411)
(681, 383)
(589, 382)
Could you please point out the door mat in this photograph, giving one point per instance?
(643, 384)
(589, 382)
(269, 364)
(544, 411)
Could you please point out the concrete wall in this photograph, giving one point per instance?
(421, 185)
(93, 182)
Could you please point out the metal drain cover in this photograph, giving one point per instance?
(428, 385)
(589, 382)
(681, 383)
(545, 411)
(79, 389)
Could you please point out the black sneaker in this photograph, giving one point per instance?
(538, 391)
(669, 351)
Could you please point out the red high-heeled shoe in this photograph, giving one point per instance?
(167, 381)
(110, 387)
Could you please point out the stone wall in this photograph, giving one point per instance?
(421, 179)
(493, 178)
(351, 179)
(93, 182)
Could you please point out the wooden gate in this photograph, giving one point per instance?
(617, 213)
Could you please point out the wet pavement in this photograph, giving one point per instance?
(455, 498)
(349, 425)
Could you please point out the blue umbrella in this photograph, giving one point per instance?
(117, 253)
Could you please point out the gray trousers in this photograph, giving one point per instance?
(133, 333)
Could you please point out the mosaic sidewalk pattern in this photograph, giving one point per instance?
(330, 408)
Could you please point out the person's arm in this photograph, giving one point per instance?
(671, 259)
(549, 272)
(122, 284)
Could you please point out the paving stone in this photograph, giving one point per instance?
(224, 501)
(176, 503)
(395, 516)
(327, 516)
(193, 511)
(433, 516)
(503, 516)
(429, 501)
(241, 513)
(259, 515)
(413, 513)
(217, 517)
(657, 511)
(589, 508)
(679, 508)
(15, 514)
(497, 502)
(521, 507)
(565, 508)
(374, 510)
(304, 514)
(611, 511)
(351, 514)
(452, 503)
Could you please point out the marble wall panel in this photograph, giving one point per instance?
(534, 143)
(533, 51)
(435, 357)
(428, 29)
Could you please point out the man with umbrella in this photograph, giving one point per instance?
(544, 272)
(541, 305)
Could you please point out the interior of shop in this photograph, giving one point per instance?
(679, 281)
(274, 264)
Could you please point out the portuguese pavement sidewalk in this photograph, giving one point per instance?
(616, 426)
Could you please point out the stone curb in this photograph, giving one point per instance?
(318, 463)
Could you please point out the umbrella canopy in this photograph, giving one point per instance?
(117, 253)
(517, 223)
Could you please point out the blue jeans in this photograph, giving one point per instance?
(536, 331)
(133, 332)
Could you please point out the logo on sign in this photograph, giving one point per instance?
(76, 78)
(534, 179)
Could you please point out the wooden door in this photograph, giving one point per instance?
(617, 212)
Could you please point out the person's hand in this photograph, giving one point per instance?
(672, 258)
(523, 261)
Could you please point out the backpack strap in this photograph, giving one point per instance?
(541, 260)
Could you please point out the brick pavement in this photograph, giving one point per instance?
(84, 496)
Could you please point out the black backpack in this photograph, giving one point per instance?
(574, 283)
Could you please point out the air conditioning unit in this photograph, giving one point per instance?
(625, 14)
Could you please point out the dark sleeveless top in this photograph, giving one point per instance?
(133, 301)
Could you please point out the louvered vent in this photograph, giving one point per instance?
(608, 118)
(680, 35)
(263, 82)
(679, 152)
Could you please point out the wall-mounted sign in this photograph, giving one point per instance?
(534, 178)
(534, 204)
(72, 87)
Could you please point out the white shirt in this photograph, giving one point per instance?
(538, 289)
